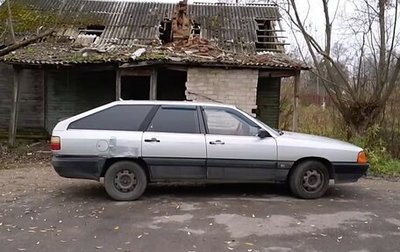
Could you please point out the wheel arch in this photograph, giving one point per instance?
(324, 161)
(111, 161)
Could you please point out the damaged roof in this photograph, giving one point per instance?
(200, 52)
(137, 22)
(131, 35)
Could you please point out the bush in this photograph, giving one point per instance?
(382, 164)
(328, 122)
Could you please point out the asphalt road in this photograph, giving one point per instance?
(40, 211)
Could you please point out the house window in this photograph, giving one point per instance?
(266, 35)
(92, 30)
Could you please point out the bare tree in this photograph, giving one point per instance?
(10, 21)
(374, 68)
(41, 32)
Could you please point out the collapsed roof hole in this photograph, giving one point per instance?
(92, 30)
(266, 38)
(165, 30)
(196, 29)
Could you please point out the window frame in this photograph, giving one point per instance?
(200, 129)
(141, 126)
(231, 111)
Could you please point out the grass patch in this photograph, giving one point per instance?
(385, 168)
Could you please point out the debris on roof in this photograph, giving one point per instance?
(196, 51)
(130, 32)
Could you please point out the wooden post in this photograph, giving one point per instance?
(12, 135)
(44, 97)
(118, 84)
(296, 101)
(153, 84)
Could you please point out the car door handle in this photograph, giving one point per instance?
(152, 140)
(217, 142)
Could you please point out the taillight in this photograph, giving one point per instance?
(362, 158)
(55, 143)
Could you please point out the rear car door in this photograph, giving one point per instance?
(173, 146)
(113, 132)
(234, 151)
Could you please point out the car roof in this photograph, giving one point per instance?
(178, 103)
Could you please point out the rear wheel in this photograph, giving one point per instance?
(309, 180)
(125, 181)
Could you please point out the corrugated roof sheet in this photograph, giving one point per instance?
(127, 22)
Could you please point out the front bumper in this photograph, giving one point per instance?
(78, 167)
(349, 172)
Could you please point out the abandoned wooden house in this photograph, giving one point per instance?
(102, 51)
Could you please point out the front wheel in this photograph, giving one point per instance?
(309, 180)
(125, 181)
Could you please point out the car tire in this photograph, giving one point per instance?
(309, 180)
(125, 181)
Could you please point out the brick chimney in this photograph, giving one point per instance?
(181, 23)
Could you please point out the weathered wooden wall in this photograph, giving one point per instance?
(31, 108)
(48, 96)
(71, 92)
(6, 77)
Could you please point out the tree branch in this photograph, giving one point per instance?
(10, 21)
(24, 43)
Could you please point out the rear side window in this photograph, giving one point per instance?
(175, 120)
(120, 117)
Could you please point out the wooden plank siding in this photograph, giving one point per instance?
(6, 80)
(71, 92)
(31, 106)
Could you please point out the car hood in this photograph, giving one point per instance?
(312, 139)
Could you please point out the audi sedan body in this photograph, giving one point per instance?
(133, 143)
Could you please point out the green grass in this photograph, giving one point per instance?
(385, 168)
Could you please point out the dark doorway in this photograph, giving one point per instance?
(171, 85)
(135, 87)
(268, 99)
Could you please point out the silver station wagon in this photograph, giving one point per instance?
(133, 143)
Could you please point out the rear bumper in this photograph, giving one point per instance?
(78, 167)
(349, 172)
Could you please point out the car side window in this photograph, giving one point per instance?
(119, 117)
(175, 120)
(225, 122)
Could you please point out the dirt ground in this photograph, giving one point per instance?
(40, 211)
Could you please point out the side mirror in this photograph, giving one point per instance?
(262, 133)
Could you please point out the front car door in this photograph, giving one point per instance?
(174, 145)
(234, 151)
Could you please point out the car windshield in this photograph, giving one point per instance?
(277, 132)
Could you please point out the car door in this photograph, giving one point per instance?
(234, 151)
(173, 145)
